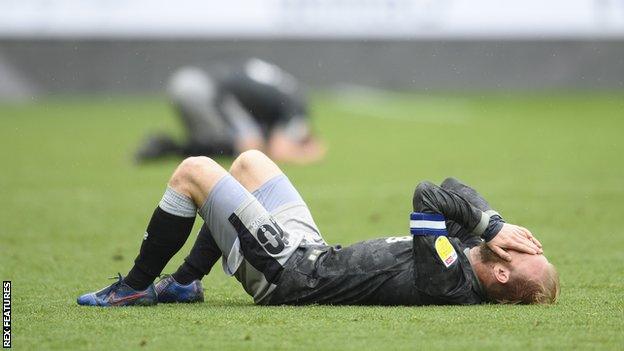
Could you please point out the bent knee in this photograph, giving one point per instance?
(192, 168)
(247, 161)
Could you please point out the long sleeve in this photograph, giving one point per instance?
(430, 198)
(467, 193)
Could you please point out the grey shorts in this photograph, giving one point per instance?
(282, 200)
(257, 233)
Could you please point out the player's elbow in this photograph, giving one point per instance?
(450, 183)
(422, 192)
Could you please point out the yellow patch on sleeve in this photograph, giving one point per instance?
(445, 251)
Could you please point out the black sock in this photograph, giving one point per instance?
(165, 235)
(204, 254)
(186, 274)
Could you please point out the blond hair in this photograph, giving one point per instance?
(528, 291)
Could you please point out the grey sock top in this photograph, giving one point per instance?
(177, 204)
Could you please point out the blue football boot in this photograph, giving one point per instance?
(120, 294)
(169, 290)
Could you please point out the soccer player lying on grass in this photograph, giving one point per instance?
(257, 221)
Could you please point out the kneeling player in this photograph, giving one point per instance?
(236, 107)
(258, 223)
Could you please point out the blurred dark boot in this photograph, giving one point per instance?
(157, 146)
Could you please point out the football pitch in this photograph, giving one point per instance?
(75, 207)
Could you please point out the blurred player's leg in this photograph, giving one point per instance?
(158, 145)
(194, 93)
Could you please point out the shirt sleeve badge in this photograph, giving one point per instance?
(445, 251)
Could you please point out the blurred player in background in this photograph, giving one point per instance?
(237, 107)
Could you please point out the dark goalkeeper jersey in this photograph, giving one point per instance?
(419, 270)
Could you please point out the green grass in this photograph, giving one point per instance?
(74, 208)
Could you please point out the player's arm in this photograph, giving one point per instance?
(477, 200)
(467, 193)
(500, 236)
(432, 199)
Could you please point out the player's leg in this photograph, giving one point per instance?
(182, 285)
(156, 146)
(253, 168)
(183, 282)
(244, 231)
(261, 176)
(195, 94)
(185, 285)
(204, 253)
(166, 233)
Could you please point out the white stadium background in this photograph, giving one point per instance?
(312, 19)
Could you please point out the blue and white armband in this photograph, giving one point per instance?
(427, 224)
